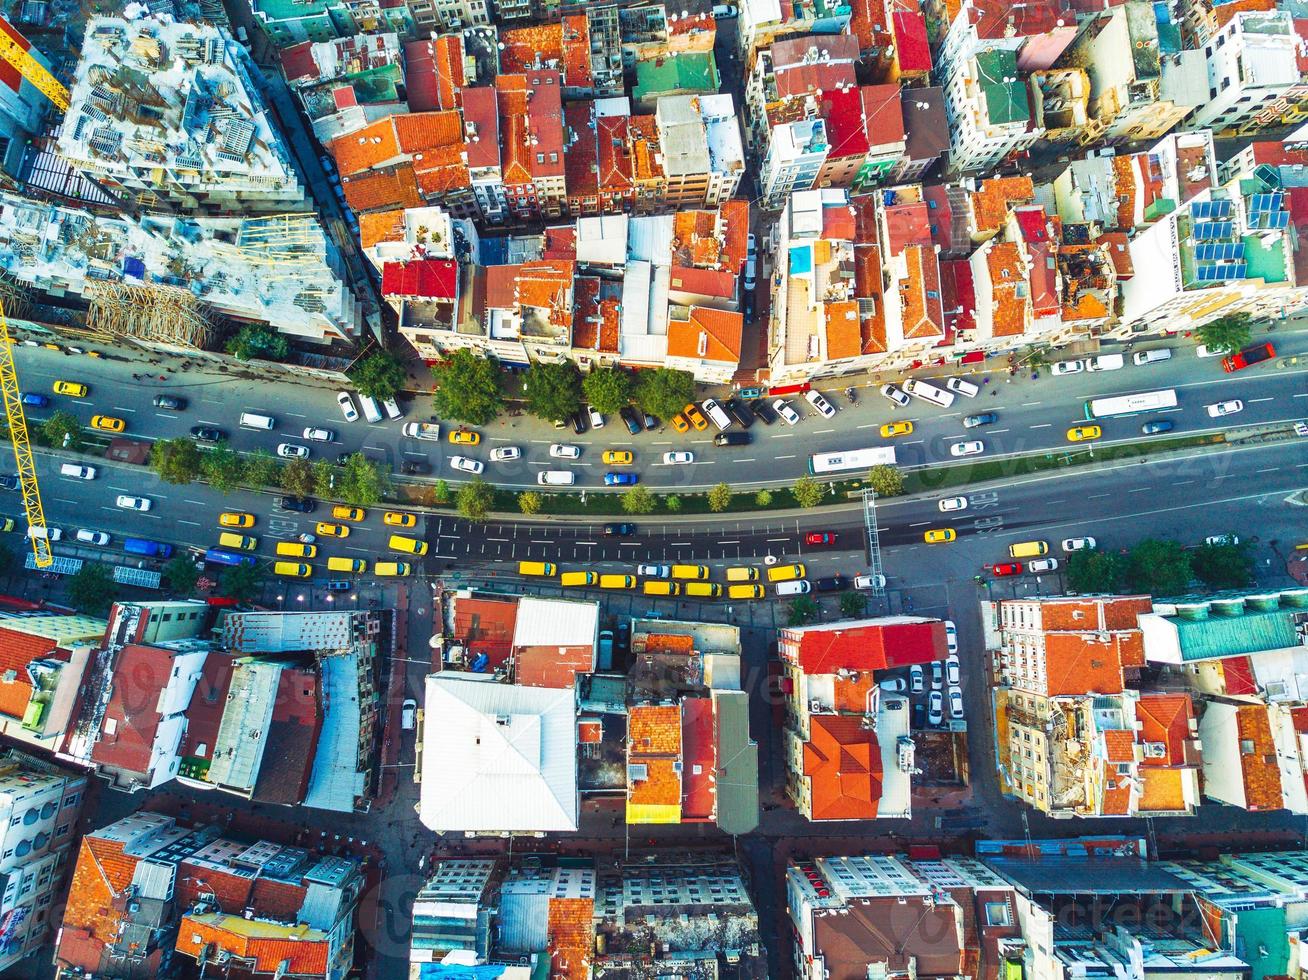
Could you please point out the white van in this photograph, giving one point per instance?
(556, 478)
(371, 410)
(77, 471)
(961, 387)
(716, 413)
(1150, 356)
(392, 409)
(927, 392)
(49, 533)
(253, 420)
(795, 587)
(1105, 362)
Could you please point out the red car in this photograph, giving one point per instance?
(820, 537)
(1008, 568)
(1250, 355)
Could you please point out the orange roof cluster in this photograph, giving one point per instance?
(383, 188)
(844, 332)
(545, 284)
(581, 151)
(381, 226)
(571, 937)
(303, 957)
(1083, 663)
(992, 201)
(1115, 800)
(708, 335)
(842, 760)
(1259, 769)
(102, 875)
(654, 741)
(17, 650)
(1078, 614)
(614, 145)
(563, 47)
(1009, 289)
(531, 117)
(585, 325)
(645, 148)
(919, 294)
(867, 285)
(375, 145)
(1165, 719)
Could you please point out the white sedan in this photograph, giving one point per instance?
(788, 414)
(344, 400)
(466, 465)
(824, 407)
(1219, 409)
(505, 454)
(1042, 565)
(1067, 367)
(561, 450)
(952, 670)
(951, 636)
(972, 448)
(868, 582)
(289, 450)
(897, 396)
(596, 419)
(1077, 544)
(679, 458)
(314, 434)
(87, 536)
(955, 703)
(132, 503)
(953, 503)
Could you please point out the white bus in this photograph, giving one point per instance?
(851, 459)
(1145, 401)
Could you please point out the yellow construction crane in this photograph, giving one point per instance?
(22, 448)
(34, 71)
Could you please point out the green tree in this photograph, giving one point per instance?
(608, 389)
(530, 502)
(180, 574)
(1223, 566)
(60, 426)
(92, 589)
(664, 391)
(672, 502)
(440, 493)
(553, 390)
(1093, 571)
(297, 478)
(363, 482)
(807, 492)
(467, 388)
(719, 497)
(853, 604)
(241, 582)
(1158, 567)
(176, 460)
(258, 340)
(763, 498)
(326, 477)
(475, 499)
(638, 500)
(802, 610)
(259, 469)
(380, 375)
(1226, 333)
(887, 481)
(222, 468)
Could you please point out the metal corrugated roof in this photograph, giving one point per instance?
(1229, 636)
(737, 782)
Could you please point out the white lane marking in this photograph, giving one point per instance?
(750, 460)
(1139, 490)
(117, 408)
(1302, 394)
(1096, 496)
(1270, 469)
(728, 542)
(587, 543)
(778, 539)
(786, 457)
(869, 425)
(784, 435)
(192, 523)
(1253, 400)
(821, 432)
(913, 442)
(196, 503)
(995, 432)
(920, 524)
(1043, 425)
(1029, 404)
(296, 415)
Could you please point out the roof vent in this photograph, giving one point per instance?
(701, 350)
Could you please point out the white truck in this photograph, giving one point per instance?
(431, 431)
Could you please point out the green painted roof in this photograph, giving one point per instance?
(1260, 941)
(686, 73)
(1006, 102)
(737, 764)
(1230, 636)
(1266, 262)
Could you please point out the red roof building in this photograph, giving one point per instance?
(842, 769)
(421, 279)
(870, 644)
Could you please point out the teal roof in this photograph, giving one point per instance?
(1265, 262)
(292, 9)
(1006, 102)
(737, 764)
(1231, 636)
(684, 74)
(1260, 941)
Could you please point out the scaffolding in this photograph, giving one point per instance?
(874, 566)
(155, 313)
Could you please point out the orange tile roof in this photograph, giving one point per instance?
(585, 325)
(17, 650)
(1165, 719)
(372, 146)
(447, 57)
(576, 52)
(610, 324)
(511, 91)
(694, 239)
(654, 741)
(868, 285)
(850, 690)
(654, 729)
(381, 226)
(993, 199)
(645, 148)
(383, 189)
(1077, 663)
(661, 785)
(1124, 173)
(1119, 745)
(419, 131)
(1077, 615)
(720, 330)
(1116, 800)
(527, 48)
(307, 957)
(923, 314)
(1161, 791)
(1010, 313)
(844, 333)
(571, 937)
(735, 233)
(1262, 776)
(614, 154)
(842, 760)
(102, 874)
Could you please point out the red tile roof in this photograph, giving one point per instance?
(703, 282)
(140, 674)
(482, 119)
(383, 189)
(998, 19)
(102, 875)
(919, 294)
(843, 330)
(873, 646)
(614, 154)
(1165, 719)
(553, 666)
(699, 757)
(373, 146)
(570, 937)
(581, 152)
(883, 115)
(486, 626)
(907, 224)
(911, 46)
(425, 278)
(298, 62)
(1119, 745)
(992, 201)
(303, 957)
(17, 650)
(707, 334)
(843, 762)
(1083, 663)
(867, 284)
(1261, 774)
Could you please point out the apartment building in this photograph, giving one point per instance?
(1253, 66)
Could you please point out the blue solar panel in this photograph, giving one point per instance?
(1216, 251)
(1210, 209)
(1222, 273)
(1267, 202)
(1209, 230)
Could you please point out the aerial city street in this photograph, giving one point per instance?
(540, 490)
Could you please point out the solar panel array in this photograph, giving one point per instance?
(1211, 230)
(1265, 220)
(1206, 210)
(1266, 202)
(1222, 273)
(1218, 251)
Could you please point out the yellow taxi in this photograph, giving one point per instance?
(696, 417)
(892, 429)
(1084, 433)
(939, 535)
(617, 457)
(344, 512)
(465, 437)
(107, 423)
(235, 518)
(333, 530)
(680, 423)
(393, 518)
(74, 388)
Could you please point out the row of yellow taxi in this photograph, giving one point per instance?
(743, 581)
(306, 549)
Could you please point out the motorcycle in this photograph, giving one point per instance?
(852, 395)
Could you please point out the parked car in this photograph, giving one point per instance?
(936, 708)
(631, 418)
(937, 675)
(1077, 544)
(465, 465)
(951, 636)
(1066, 367)
(788, 414)
(763, 410)
(654, 571)
(953, 670)
(831, 583)
(824, 407)
(896, 395)
(408, 714)
(621, 479)
(955, 703)
(87, 536)
(818, 538)
(596, 419)
(869, 582)
(961, 386)
(346, 402)
(894, 685)
(1004, 569)
(300, 505)
(32, 400)
(579, 423)
(916, 679)
(1042, 565)
(739, 411)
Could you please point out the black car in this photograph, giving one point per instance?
(731, 439)
(301, 505)
(170, 402)
(204, 433)
(8, 481)
(632, 419)
(739, 411)
(764, 411)
(622, 530)
(579, 423)
(919, 715)
(832, 583)
(985, 418)
(415, 467)
(1157, 426)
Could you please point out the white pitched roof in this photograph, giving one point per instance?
(497, 757)
(555, 623)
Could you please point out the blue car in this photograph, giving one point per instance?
(620, 479)
(1154, 428)
(35, 400)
